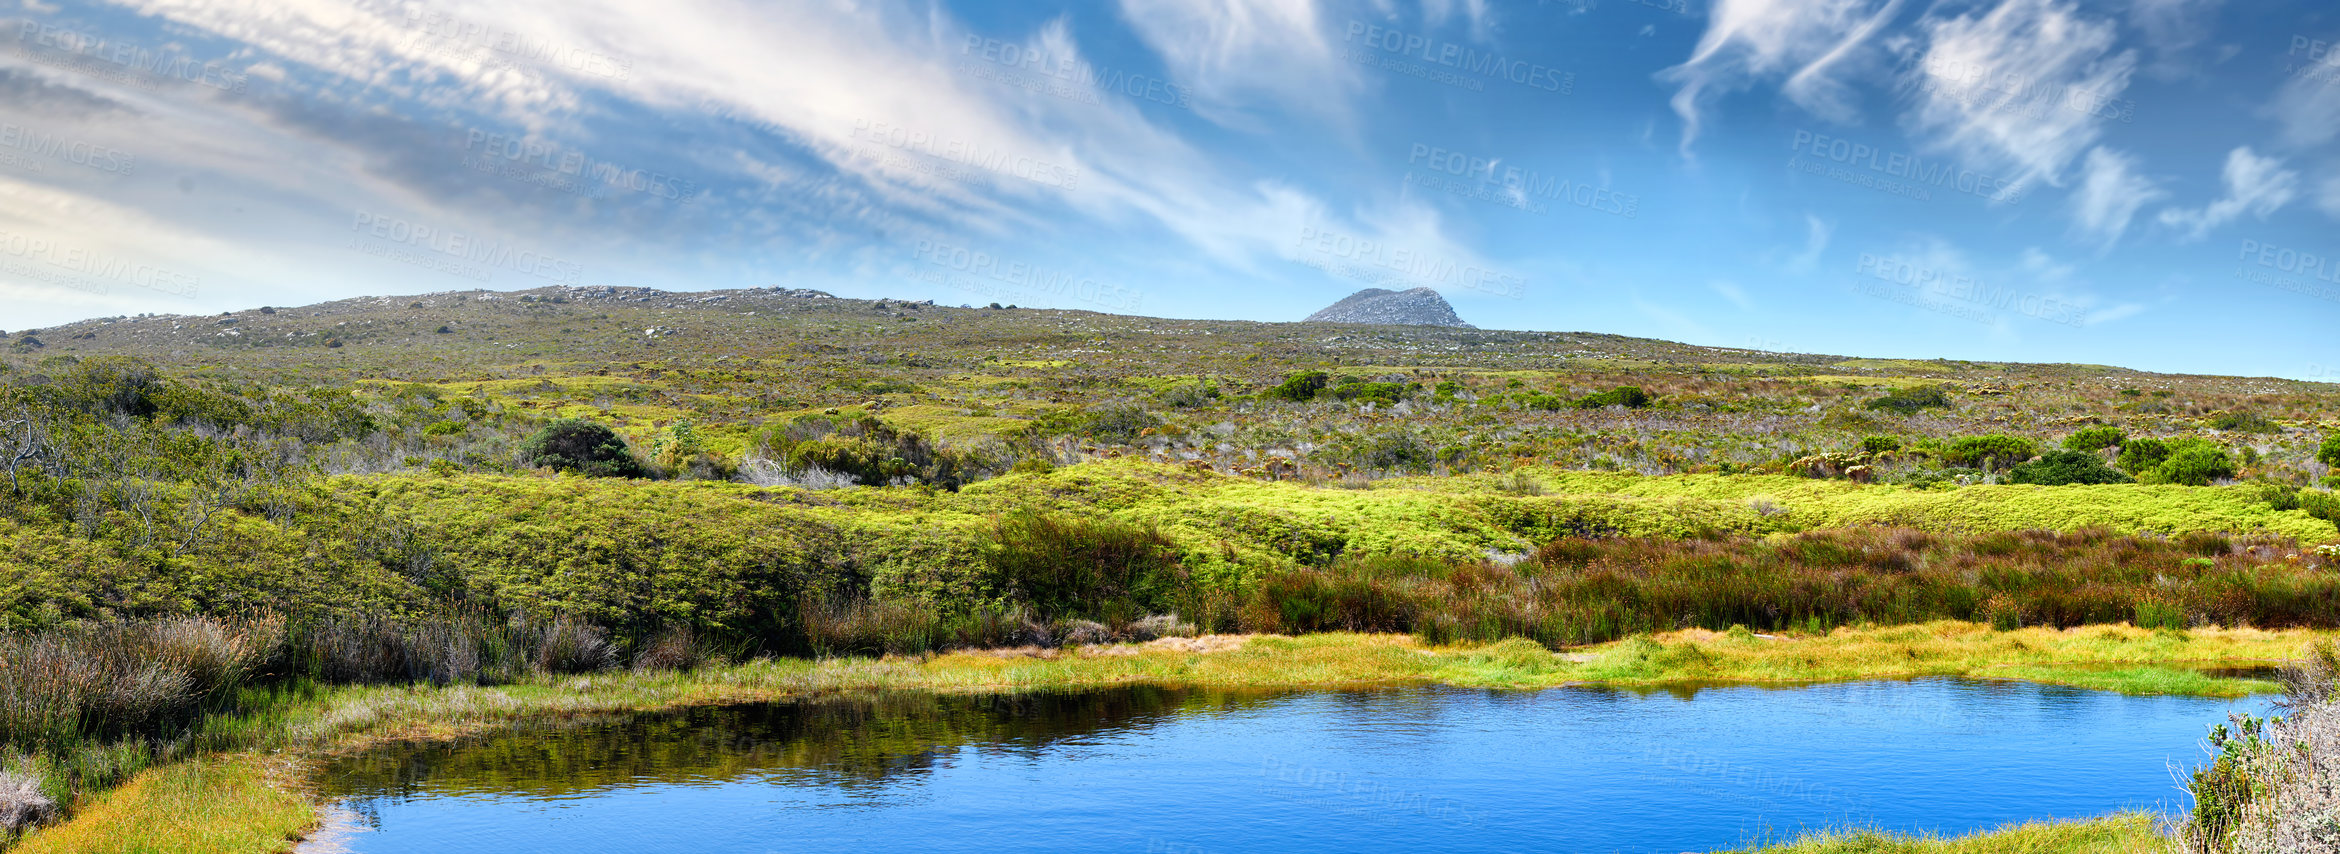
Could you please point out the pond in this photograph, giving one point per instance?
(1166, 771)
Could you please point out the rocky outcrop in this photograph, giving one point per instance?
(1415, 307)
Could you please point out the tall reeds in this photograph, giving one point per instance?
(1579, 591)
(84, 706)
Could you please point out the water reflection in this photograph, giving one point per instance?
(1383, 770)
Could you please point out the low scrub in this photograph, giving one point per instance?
(2273, 784)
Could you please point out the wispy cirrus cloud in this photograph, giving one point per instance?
(2016, 89)
(1804, 43)
(2255, 185)
(1241, 56)
(2110, 194)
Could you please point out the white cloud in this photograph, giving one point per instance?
(2019, 88)
(808, 76)
(2110, 194)
(2307, 108)
(1816, 232)
(1731, 291)
(2328, 196)
(1238, 55)
(1807, 41)
(2171, 27)
(2255, 185)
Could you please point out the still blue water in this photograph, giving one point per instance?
(1182, 772)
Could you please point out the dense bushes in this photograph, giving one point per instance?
(870, 452)
(1630, 397)
(2059, 468)
(584, 447)
(2096, 438)
(1301, 386)
(1992, 450)
(1909, 401)
(2186, 461)
(2273, 784)
(1310, 385)
(1083, 568)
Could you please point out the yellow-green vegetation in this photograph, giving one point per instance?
(227, 804)
(376, 479)
(2128, 833)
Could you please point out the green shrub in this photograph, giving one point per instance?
(2329, 454)
(1992, 449)
(2139, 456)
(2192, 462)
(1879, 445)
(1301, 386)
(1909, 401)
(2321, 505)
(2095, 438)
(871, 451)
(2059, 468)
(1630, 397)
(1119, 423)
(1362, 391)
(2227, 787)
(2243, 422)
(1086, 568)
(1190, 394)
(581, 446)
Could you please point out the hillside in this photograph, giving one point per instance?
(1423, 400)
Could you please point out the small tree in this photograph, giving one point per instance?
(581, 446)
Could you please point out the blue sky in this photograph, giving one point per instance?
(2152, 184)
